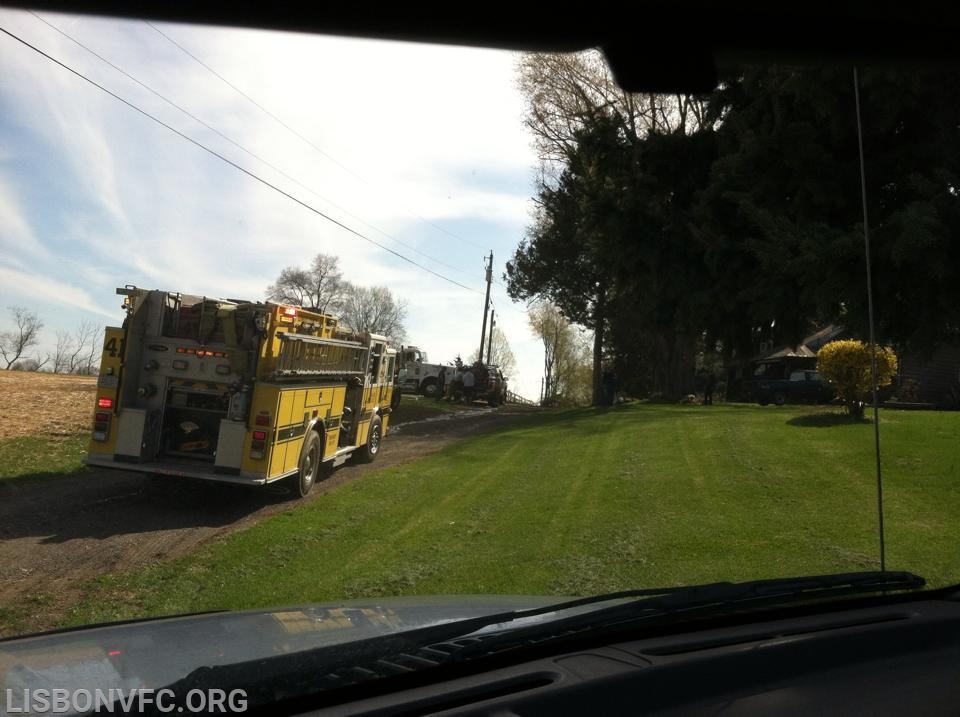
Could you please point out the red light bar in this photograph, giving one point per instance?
(104, 403)
(259, 435)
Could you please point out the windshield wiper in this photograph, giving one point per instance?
(755, 592)
(706, 600)
(723, 595)
(348, 664)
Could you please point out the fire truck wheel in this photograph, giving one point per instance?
(368, 451)
(309, 463)
(430, 388)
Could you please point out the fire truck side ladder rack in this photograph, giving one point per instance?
(305, 356)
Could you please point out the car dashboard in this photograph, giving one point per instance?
(899, 659)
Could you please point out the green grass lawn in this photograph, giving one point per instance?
(590, 500)
(41, 457)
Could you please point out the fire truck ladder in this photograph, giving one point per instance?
(305, 356)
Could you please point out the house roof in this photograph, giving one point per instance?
(796, 352)
(807, 348)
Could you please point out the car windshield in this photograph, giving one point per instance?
(653, 357)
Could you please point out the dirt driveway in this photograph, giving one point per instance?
(55, 533)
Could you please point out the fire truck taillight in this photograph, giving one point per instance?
(101, 425)
(104, 403)
(258, 445)
(262, 419)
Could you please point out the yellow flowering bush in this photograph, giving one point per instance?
(846, 364)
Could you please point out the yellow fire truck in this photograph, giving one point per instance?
(237, 391)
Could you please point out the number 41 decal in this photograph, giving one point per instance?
(111, 347)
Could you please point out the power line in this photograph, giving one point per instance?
(298, 134)
(242, 148)
(234, 164)
(245, 95)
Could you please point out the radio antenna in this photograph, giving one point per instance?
(873, 344)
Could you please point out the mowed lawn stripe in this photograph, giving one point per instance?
(922, 491)
(581, 501)
(449, 505)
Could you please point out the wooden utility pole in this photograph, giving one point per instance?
(490, 339)
(486, 308)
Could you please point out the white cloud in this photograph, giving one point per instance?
(425, 132)
(18, 244)
(42, 290)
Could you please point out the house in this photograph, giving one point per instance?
(933, 379)
(776, 362)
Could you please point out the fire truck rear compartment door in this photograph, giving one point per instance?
(230, 444)
(285, 454)
(130, 432)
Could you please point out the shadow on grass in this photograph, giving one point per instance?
(101, 503)
(583, 419)
(636, 411)
(827, 420)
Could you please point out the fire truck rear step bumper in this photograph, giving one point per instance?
(181, 470)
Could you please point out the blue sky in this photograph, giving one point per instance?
(421, 144)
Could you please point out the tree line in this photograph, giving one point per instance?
(76, 352)
(685, 230)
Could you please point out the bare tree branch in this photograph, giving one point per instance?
(501, 353)
(63, 353)
(566, 357)
(564, 90)
(320, 287)
(375, 310)
(26, 334)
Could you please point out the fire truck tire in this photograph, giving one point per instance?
(429, 388)
(369, 450)
(309, 463)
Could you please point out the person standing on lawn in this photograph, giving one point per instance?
(469, 382)
(709, 388)
(609, 383)
(441, 383)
